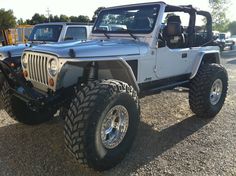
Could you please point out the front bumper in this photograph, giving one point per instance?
(34, 98)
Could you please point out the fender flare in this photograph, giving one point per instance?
(126, 69)
(201, 56)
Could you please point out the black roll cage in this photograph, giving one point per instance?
(192, 21)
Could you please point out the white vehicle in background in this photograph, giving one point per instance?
(46, 33)
(231, 40)
(223, 41)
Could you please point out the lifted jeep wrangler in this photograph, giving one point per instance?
(134, 51)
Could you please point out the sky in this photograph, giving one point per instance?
(27, 8)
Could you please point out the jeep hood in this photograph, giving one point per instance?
(16, 50)
(95, 48)
(13, 50)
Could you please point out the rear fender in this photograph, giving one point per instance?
(205, 57)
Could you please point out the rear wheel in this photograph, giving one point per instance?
(101, 123)
(208, 90)
(18, 110)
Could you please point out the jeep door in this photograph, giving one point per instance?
(173, 52)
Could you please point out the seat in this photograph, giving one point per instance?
(173, 33)
(142, 24)
(141, 21)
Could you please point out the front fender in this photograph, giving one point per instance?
(117, 68)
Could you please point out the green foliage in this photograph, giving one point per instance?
(218, 12)
(37, 18)
(64, 18)
(232, 27)
(83, 19)
(7, 19)
(20, 21)
(96, 13)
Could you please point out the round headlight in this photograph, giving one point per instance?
(53, 67)
(2, 56)
(24, 61)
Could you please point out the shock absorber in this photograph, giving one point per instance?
(93, 72)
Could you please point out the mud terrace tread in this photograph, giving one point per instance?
(199, 87)
(77, 119)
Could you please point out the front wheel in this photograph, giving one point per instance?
(208, 90)
(101, 123)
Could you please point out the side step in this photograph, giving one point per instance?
(162, 88)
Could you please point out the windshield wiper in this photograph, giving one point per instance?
(104, 33)
(130, 33)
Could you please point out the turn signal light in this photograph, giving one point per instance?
(51, 82)
(13, 65)
(25, 73)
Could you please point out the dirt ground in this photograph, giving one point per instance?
(170, 141)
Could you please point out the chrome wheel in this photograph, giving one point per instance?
(216, 91)
(114, 126)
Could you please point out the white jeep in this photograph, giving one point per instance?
(134, 51)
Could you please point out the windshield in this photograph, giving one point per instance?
(233, 36)
(76, 33)
(50, 33)
(221, 36)
(138, 19)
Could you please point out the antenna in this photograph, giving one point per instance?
(48, 13)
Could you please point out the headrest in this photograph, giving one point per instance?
(174, 19)
(174, 29)
(142, 23)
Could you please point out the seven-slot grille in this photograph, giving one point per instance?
(37, 66)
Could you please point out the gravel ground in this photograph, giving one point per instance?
(170, 141)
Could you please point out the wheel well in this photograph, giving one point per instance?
(211, 58)
(206, 58)
(117, 69)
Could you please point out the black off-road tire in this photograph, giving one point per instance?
(18, 110)
(84, 119)
(200, 88)
(1, 83)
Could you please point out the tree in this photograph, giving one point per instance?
(20, 21)
(218, 11)
(96, 13)
(7, 19)
(37, 18)
(232, 27)
(83, 19)
(64, 18)
(56, 18)
(73, 19)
